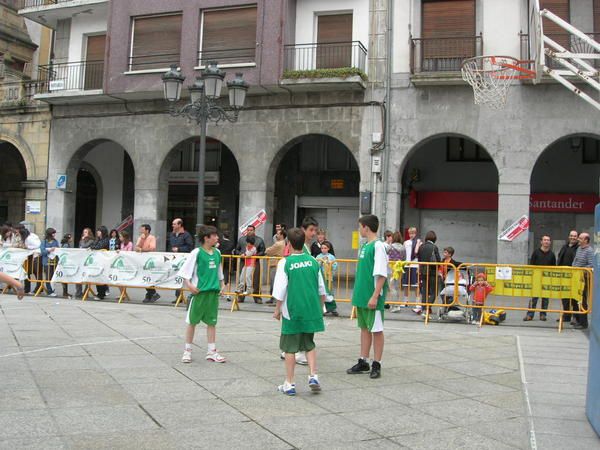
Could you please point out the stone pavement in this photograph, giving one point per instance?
(102, 375)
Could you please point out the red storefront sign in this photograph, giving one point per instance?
(488, 201)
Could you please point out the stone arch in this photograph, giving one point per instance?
(25, 152)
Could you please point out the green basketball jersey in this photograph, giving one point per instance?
(303, 302)
(364, 284)
(207, 269)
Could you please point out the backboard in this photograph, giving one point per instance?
(536, 40)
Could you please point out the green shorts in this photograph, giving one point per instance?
(370, 319)
(294, 343)
(204, 307)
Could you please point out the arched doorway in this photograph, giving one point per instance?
(104, 186)
(12, 192)
(318, 176)
(221, 180)
(564, 188)
(450, 186)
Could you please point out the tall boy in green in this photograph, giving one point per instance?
(300, 293)
(370, 289)
(203, 276)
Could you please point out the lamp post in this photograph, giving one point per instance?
(203, 108)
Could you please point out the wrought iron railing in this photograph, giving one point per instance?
(568, 41)
(22, 4)
(443, 54)
(228, 56)
(82, 76)
(153, 61)
(332, 55)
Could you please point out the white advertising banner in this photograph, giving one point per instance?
(12, 260)
(127, 269)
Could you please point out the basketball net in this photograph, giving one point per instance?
(491, 76)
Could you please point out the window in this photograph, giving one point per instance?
(334, 41)
(555, 32)
(448, 32)
(591, 151)
(465, 150)
(228, 36)
(155, 42)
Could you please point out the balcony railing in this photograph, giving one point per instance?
(443, 54)
(239, 56)
(22, 4)
(153, 61)
(334, 55)
(568, 41)
(80, 76)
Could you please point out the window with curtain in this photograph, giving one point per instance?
(156, 42)
(228, 36)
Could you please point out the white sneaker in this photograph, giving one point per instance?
(417, 310)
(396, 309)
(301, 359)
(187, 357)
(313, 383)
(215, 357)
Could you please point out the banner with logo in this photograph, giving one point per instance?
(559, 282)
(12, 260)
(127, 269)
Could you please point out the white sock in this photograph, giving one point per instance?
(212, 348)
(188, 347)
(364, 358)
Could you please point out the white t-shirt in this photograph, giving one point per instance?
(188, 270)
(280, 285)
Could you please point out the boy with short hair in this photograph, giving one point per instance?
(300, 293)
(203, 275)
(370, 289)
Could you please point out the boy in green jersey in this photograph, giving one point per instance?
(370, 289)
(300, 293)
(203, 276)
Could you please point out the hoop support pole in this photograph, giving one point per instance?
(570, 28)
(572, 87)
(560, 48)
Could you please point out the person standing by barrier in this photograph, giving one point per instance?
(275, 251)
(49, 244)
(179, 241)
(86, 241)
(246, 275)
(370, 289)
(566, 255)
(396, 253)
(315, 247)
(101, 243)
(259, 243)
(584, 257)
(480, 289)
(542, 256)
(428, 252)
(300, 294)
(202, 275)
(147, 243)
(125, 242)
(114, 243)
(328, 269)
(279, 227)
(65, 242)
(410, 277)
(227, 248)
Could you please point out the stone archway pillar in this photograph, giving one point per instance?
(513, 202)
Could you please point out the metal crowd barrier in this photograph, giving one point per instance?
(422, 285)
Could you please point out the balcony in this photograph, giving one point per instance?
(70, 80)
(437, 61)
(324, 66)
(49, 12)
(237, 57)
(570, 42)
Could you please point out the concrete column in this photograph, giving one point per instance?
(60, 211)
(253, 198)
(150, 206)
(513, 202)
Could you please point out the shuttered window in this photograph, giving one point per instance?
(448, 31)
(448, 18)
(552, 30)
(596, 17)
(156, 42)
(229, 36)
(94, 61)
(334, 41)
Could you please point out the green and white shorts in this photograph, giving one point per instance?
(204, 307)
(294, 343)
(370, 319)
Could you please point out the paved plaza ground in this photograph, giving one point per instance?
(101, 375)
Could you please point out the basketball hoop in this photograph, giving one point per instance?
(491, 76)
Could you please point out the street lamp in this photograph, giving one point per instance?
(203, 107)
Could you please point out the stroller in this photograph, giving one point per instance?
(454, 312)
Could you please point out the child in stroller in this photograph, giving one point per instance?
(454, 312)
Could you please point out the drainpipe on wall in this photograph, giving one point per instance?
(387, 134)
